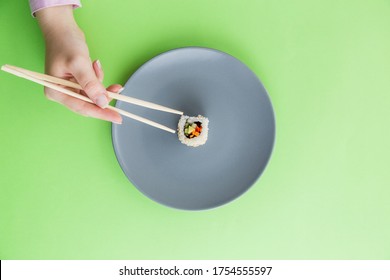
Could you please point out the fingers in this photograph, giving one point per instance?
(85, 75)
(90, 79)
(53, 95)
(97, 67)
(114, 88)
(117, 88)
(84, 108)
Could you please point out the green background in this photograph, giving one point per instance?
(324, 195)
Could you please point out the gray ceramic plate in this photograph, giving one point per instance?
(241, 129)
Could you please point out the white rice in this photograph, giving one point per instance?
(195, 141)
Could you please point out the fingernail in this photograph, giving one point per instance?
(99, 64)
(117, 122)
(119, 91)
(102, 101)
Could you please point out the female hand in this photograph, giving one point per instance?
(67, 57)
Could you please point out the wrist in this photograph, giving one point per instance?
(56, 21)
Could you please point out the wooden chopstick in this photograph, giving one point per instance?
(56, 87)
(110, 94)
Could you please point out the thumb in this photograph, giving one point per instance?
(86, 77)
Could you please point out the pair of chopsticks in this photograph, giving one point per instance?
(57, 83)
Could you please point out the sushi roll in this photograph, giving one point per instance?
(193, 131)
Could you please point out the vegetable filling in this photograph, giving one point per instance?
(192, 130)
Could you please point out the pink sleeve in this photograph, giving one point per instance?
(37, 5)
